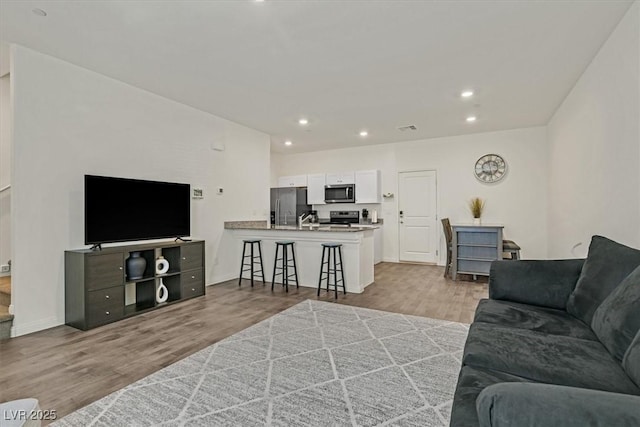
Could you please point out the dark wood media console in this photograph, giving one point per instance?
(98, 292)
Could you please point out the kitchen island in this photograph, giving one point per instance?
(357, 249)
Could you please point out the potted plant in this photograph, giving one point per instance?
(476, 206)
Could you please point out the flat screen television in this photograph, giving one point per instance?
(120, 209)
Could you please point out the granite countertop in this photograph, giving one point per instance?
(262, 225)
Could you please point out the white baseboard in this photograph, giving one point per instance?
(224, 278)
(39, 325)
(396, 260)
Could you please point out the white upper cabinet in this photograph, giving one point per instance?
(341, 178)
(315, 189)
(368, 186)
(292, 181)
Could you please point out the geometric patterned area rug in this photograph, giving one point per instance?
(314, 364)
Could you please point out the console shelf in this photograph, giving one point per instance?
(98, 292)
(474, 248)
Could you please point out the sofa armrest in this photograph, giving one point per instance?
(547, 405)
(542, 283)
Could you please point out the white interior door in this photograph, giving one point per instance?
(417, 216)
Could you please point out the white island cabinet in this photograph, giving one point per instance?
(357, 251)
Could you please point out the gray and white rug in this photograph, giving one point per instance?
(315, 364)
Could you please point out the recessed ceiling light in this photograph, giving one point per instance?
(303, 121)
(364, 133)
(39, 12)
(288, 143)
(471, 119)
(467, 94)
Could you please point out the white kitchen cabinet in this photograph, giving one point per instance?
(341, 178)
(315, 189)
(292, 181)
(368, 186)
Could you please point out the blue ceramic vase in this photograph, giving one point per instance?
(135, 266)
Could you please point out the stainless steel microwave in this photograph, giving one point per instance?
(341, 193)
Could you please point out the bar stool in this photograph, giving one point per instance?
(510, 247)
(328, 248)
(253, 260)
(285, 265)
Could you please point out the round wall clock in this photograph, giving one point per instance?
(490, 168)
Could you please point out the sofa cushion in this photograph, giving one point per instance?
(617, 320)
(540, 319)
(550, 405)
(470, 383)
(607, 264)
(551, 359)
(631, 361)
(545, 283)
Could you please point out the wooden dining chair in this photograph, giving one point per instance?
(512, 248)
(448, 234)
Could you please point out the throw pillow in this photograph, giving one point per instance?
(617, 321)
(607, 264)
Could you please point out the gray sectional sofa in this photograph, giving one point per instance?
(556, 344)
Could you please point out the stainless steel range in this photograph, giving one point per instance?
(344, 217)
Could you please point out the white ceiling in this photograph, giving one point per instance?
(346, 65)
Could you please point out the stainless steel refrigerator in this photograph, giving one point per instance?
(287, 204)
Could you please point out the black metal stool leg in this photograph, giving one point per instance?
(251, 268)
(321, 265)
(244, 247)
(275, 265)
(328, 268)
(295, 267)
(335, 273)
(285, 266)
(261, 264)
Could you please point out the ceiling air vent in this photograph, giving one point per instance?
(408, 127)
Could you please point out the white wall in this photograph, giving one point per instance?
(5, 169)
(69, 122)
(594, 149)
(519, 201)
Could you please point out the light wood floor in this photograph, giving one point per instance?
(5, 298)
(67, 369)
(5, 284)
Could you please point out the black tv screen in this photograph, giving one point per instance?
(119, 209)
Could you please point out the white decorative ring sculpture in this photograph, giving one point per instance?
(162, 265)
(162, 293)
